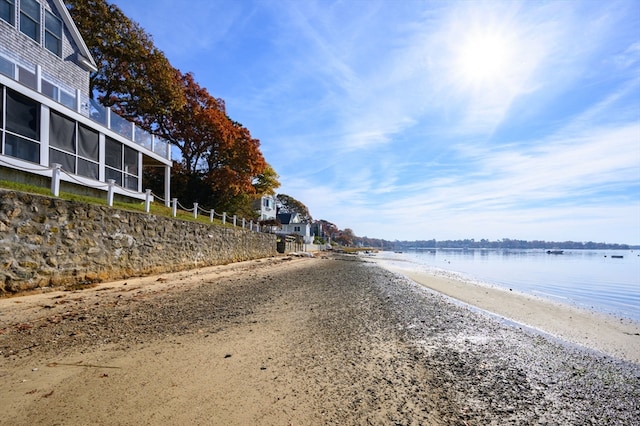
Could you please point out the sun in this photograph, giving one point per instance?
(484, 58)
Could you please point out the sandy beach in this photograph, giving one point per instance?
(618, 337)
(334, 339)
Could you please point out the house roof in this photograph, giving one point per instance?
(284, 218)
(85, 55)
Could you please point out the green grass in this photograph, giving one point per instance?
(155, 208)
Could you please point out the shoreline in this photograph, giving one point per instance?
(617, 337)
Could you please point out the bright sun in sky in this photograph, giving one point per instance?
(484, 58)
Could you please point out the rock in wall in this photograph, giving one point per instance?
(48, 242)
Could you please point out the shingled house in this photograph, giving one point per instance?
(48, 118)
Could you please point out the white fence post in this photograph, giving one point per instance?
(174, 208)
(55, 179)
(224, 217)
(251, 226)
(147, 201)
(195, 210)
(234, 220)
(243, 222)
(211, 213)
(112, 184)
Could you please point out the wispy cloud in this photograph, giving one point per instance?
(373, 117)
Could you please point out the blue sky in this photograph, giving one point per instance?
(412, 119)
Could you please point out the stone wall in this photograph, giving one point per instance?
(48, 242)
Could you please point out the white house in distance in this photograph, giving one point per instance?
(292, 224)
(47, 116)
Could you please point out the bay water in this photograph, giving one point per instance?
(605, 281)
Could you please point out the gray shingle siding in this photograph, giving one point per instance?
(64, 71)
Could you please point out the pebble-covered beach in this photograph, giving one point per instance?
(292, 341)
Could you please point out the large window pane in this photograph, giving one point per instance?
(68, 161)
(130, 160)
(7, 11)
(24, 149)
(62, 132)
(23, 115)
(113, 174)
(53, 33)
(88, 169)
(88, 143)
(30, 18)
(113, 154)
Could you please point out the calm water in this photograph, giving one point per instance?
(590, 279)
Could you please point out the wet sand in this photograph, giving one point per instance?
(305, 341)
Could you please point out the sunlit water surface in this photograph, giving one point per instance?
(591, 279)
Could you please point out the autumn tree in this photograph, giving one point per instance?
(134, 78)
(221, 165)
(288, 204)
(345, 237)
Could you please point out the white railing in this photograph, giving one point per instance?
(81, 104)
(112, 188)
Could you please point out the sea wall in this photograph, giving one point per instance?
(48, 242)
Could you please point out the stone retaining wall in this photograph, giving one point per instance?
(48, 242)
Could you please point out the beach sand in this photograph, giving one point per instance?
(292, 341)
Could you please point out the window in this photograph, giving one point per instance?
(73, 145)
(7, 10)
(23, 115)
(22, 123)
(88, 147)
(53, 33)
(121, 164)
(30, 19)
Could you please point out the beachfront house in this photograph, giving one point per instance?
(265, 207)
(47, 119)
(291, 223)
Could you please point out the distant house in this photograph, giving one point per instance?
(47, 117)
(265, 207)
(293, 224)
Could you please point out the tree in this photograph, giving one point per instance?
(288, 204)
(346, 237)
(266, 182)
(221, 164)
(133, 76)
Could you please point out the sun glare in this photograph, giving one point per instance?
(483, 58)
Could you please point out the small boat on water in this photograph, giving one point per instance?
(555, 251)
(617, 256)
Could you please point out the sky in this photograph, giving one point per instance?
(419, 120)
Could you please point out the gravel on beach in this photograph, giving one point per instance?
(356, 345)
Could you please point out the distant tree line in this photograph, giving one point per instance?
(507, 243)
